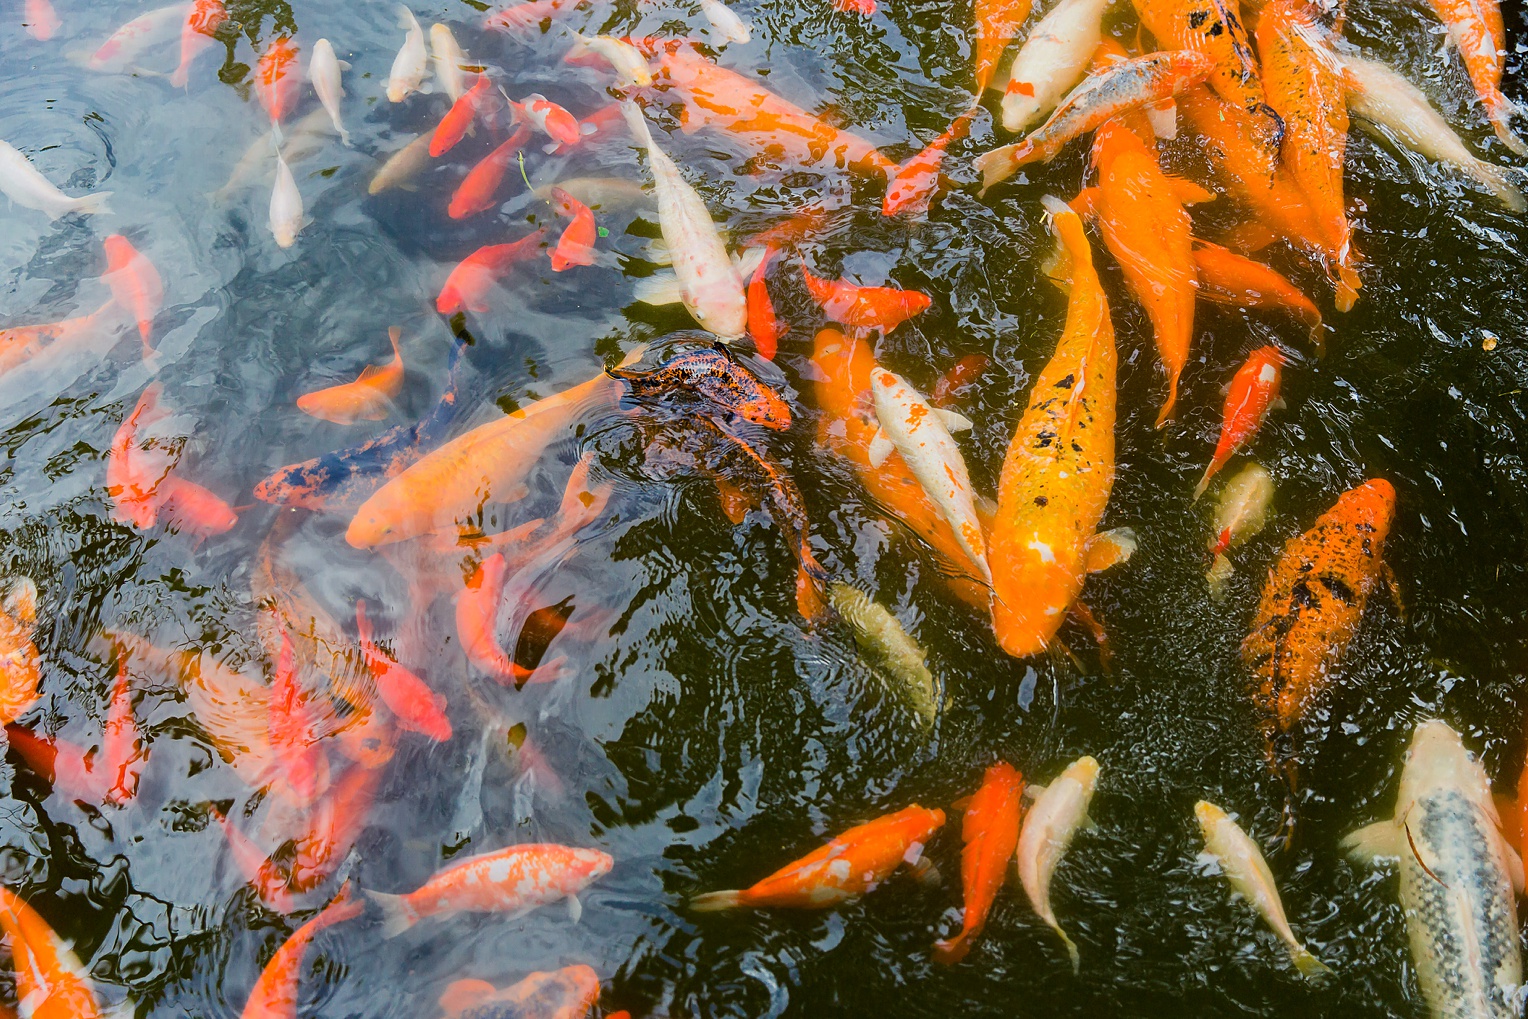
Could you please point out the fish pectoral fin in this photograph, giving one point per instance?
(658, 252)
(661, 289)
(1163, 117)
(749, 260)
(1379, 841)
(1189, 193)
(1514, 868)
(575, 908)
(1110, 548)
(880, 448)
(926, 874)
(952, 421)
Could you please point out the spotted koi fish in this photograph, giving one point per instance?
(715, 376)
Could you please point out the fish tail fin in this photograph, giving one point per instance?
(180, 77)
(1204, 482)
(952, 950)
(396, 913)
(1171, 403)
(1496, 180)
(1071, 949)
(95, 202)
(1310, 967)
(638, 123)
(345, 138)
(1219, 574)
(1500, 114)
(716, 902)
(999, 164)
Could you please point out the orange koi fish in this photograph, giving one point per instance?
(66, 766)
(332, 827)
(275, 993)
(191, 509)
(567, 993)
(20, 664)
(51, 982)
(857, 307)
(417, 707)
(513, 881)
(576, 245)
(1304, 82)
(1228, 278)
(1254, 389)
(202, 23)
(553, 121)
(294, 751)
(135, 285)
(134, 470)
(764, 326)
(955, 385)
(519, 17)
(847, 867)
(1475, 27)
(476, 192)
(40, 20)
(457, 123)
(261, 871)
(1140, 212)
(477, 622)
(1311, 607)
(997, 22)
(911, 188)
(276, 79)
(990, 831)
(366, 399)
(1059, 468)
(468, 285)
(20, 344)
(122, 754)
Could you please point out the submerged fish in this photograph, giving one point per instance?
(718, 379)
(24, 184)
(275, 993)
(567, 993)
(467, 287)
(1053, 58)
(1254, 391)
(1228, 278)
(402, 166)
(51, 982)
(366, 399)
(412, 62)
(20, 664)
(324, 70)
(135, 285)
(1475, 27)
(1240, 513)
(990, 831)
(196, 35)
(858, 307)
(1058, 812)
(448, 61)
(881, 638)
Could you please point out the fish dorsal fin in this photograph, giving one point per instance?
(1382, 840)
(952, 421)
(880, 448)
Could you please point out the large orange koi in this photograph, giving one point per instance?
(990, 831)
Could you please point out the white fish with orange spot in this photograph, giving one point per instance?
(1051, 61)
(1059, 811)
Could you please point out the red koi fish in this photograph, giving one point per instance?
(764, 326)
(133, 472)
(276, 79)
(135, 285)
(259, 870)
(576, 245)
(191, 509)
(122, 753)
(911, 188)
(597, 126)
(1254, 389)
(66, 766)
(333, 826)
(20, 664)
(410, 699)
(202, 23)
(991, 834)
(41, 20)
(554, 121)
(295, 754)
(457, 123)
(956, 384)
(468, 285)
(847, 867)
(477, 619)
(513, 881)
(882, 308)
(51, 982)
(1228, 278)
(864, 8)
(476, 191)
(275, 993)
(520, 17)
(568, 993)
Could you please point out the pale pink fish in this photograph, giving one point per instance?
(41, 20)
(149, 29)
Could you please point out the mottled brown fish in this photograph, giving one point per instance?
(715, 376)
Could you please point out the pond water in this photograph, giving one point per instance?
(696, 730)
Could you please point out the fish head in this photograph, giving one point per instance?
(1208, 815)
(1083, 771)
(591, 864)
(1438, 760)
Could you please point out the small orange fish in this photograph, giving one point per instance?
(1228, 278)
(1254, 389)
(294, 751)
(911, 188)
(19, 344)
(41, 20)
(476, 192)
(764, 326)
(366, 399)
(134, 471)
(410, 699)
(467, 287)
(514, 881)
(276, 78)
(202, 23)
(122, 754)
(275, 993)
(997, 22)
(956, 384)
(847, 867)
(135, 285)
(576, 245)
(20, 664)
(567, 993)
(991, 834)
(857, 307)
(51, 982)
(457, 122)
(1475, 27)
(477, 621)
(260, 870)
(1311, 607)
(191, 509)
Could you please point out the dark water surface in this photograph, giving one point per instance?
(702, 736)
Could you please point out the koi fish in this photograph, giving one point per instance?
(402, 166)
(20, 344)
(727, 25)
(1240, 513)
(448, 61)
(1239, 858)
(134, 468)
(275, 992)
(324, 70)
(476, 192)
(295, 751)
(1058, 812)
(1397, 111)
(511, 881)
(625, 59)
(1228, 278)
(124, 45)
(23, 184)
(764, 327)
(258, 869)
(122, 754)
(522, 16)
(1051, 61)
(1059, 468)
(1140, 212)
(891, 650)
(911, 188)
(276, 79)
(1125, 85)
(20, 664)
(68, 767)
(567, 993)
(715, 377)
(857, 307)
(576, 245)
(366, 399)
(955, 385)
(552, 120)
(849, 866)
(51, 982)
(468, 285)
(286, 214)
(202, 23)
(135, 285)
(603, 193)
(41, 21)
(1254, 389)
(1459, 877)
(477, 616)
(997, 22)
(457, 123)
(1311, 607)
(990, 831)
(410, 699)
(332, 827)
(411, 63)
(189, 508)
(1475, 27)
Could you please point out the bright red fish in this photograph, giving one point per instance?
(65, 765)
(135, 285)
(476, 191)
(275, 993)
(763, 324)
(276, 78)
(1253, 390)
(882, 308)
(991, 834)
(468, 285)
(864, 8)
(410, 699)
(202, 23)
(294, 751)
(459, 118)
(192, 509)
(1228, 278)
(576, 245)
(955, 385)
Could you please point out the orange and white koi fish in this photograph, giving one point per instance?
(20, 664)
(122, 754)
(124, 45)
(728, 26)
(997, 22)
(519, 17)
(858, 307)
(202, 23)
(1059, 468)
(1311, 607)
(1118, 87)
(1254, 389)
(40, 20)
(277, 77)
(1239, 514)
(1051, 61)
(476, 192)
(324, 71)
(552, 120)
(1228, 278)
(20, 344)
(412, 62)
(911, 188)
(849, 866)
(366, 399)
(512, 881)
(457, 123)
(576, 245)
(25, 185)
(51, 982)
(410, 699)
(1140, 212)
(135, 285)
(1058, 813)
(275, 993)
(286, 213)
(990, 830)
(1475, 27)
(294, 748)
(922, 435)
(567, 993)
(135, 468)
(467, 287)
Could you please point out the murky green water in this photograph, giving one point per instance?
(703, 738)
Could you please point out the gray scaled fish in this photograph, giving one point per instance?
(1458, 879)
(888, 648)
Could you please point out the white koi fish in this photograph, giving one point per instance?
(286, 206)
(324, 70)
(627, 60)
(724, 21)
(1051, 61)
(1058, 812)
(448, 60)
(25, 185)
(409, 66)
(127, 43)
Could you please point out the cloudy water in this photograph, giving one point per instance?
(659, 696)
